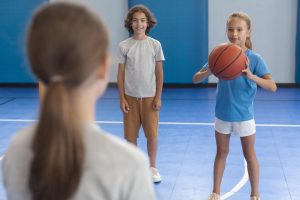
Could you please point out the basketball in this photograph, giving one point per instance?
(226, 61)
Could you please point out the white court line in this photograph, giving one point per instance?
(1, 157)
(163, 123)
(239, 185)
(17, 120)
(235, 189)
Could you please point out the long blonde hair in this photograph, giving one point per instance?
(247, 19)
(66, 44)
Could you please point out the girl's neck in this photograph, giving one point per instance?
(84, 100)
(244, 49)
(86, 108)
(139, 36)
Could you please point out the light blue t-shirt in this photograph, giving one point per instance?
(234, 101)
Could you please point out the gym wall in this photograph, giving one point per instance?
(187, 35)
(14, 19)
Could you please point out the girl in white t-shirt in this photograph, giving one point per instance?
(140, 81)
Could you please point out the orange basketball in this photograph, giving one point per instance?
(226, 61)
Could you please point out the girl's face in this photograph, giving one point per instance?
(237, 31)
(139, 23)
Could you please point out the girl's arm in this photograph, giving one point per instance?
(121, 75)
(42, 90)
(266, 82)
(202, 74)
(159, 74)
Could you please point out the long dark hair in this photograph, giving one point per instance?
(66, 43)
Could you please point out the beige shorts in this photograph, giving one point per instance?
(140, 113)
(241, 129)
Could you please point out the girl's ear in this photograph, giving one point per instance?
(249, 33)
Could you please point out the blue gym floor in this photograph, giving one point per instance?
(186, 140)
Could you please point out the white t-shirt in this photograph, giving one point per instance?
(139, 57)
(113, 169)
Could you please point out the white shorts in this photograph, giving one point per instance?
(241, 129)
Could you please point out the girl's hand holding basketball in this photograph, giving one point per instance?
(246, 72)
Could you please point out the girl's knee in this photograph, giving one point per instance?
(250, 157)
(132, 140)
(222, 153)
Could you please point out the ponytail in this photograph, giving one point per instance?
(248, 43)
(66, 45)
(58, 148)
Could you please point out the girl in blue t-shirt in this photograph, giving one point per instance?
(234, 104)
